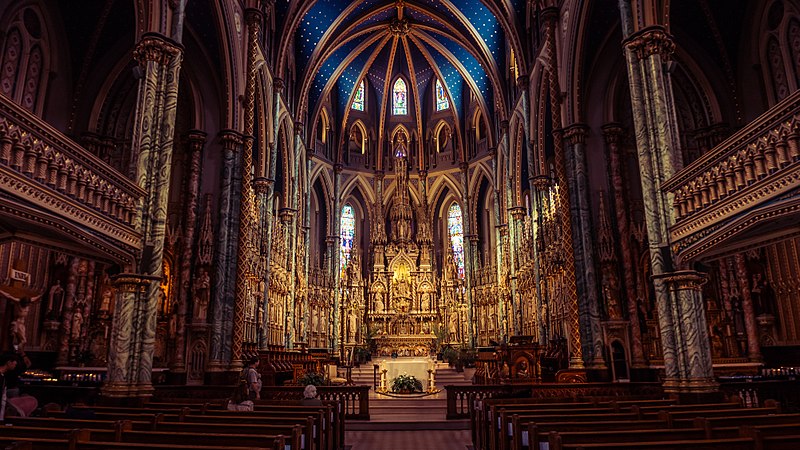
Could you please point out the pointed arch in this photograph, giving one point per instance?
(399, 97)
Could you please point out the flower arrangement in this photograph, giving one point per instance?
(315, 378)
(406, 384)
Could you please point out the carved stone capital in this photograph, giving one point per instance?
(576, 133)
(337, 168)
(156, 48)
(261, 184)
(503, 126)
(523, 81)
(464, 167)
(231, 140)
(253, 16)
(132, 282)
(298, 128)
(542, 183)
(196, 139)
(517, 212)
(277, 85)
(651, 41)
(613, 133)
(683, 280)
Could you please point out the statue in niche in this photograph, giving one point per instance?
(452, 328)
(77, 323)
(523, 369)
(55, 300)
(202, 294)
(315, 320)
(426, 301)
(352, 326)
(379, 308)
(105, 300)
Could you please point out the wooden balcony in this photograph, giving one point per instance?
(743, 193)
(55, 193)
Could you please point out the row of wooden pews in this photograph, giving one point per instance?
(179, 426)
(632, 424)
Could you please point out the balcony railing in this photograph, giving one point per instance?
(758, 163)
(41, 165)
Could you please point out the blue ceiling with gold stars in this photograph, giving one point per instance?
(338, 43)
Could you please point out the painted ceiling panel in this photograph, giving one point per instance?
(486, 24)
(328, 69)
(346, 84)
(313, 27)
(377, 72)
(452, 78)
(473, 67)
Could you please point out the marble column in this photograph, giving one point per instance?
(570, 296)
(646, 53)
(222, 303)
(66, 320)
(753, 349)
(584, 244)
(336, 275)
(469, 251)
(196, 141)
(539, 188)
(613, 134)
(693, 360)
(153, 134)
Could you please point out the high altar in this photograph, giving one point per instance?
(409, 305)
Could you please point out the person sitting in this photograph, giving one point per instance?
(310, 396)
(240, 400)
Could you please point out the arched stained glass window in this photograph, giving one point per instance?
(358, 100)
(442, 102)
(400, 98)
(348, 233)
(455, 228)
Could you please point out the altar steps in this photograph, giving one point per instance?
(407, 414)
(445, 375)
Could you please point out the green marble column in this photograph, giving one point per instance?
(681, 315)
(131, 354)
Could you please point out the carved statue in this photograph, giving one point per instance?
(426, 301)
(379, 307)
(55, 299)
(105, 301)
(202, 292)
(77, 322)
(452, 327)
(353, 325)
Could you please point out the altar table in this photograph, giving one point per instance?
(418, 367)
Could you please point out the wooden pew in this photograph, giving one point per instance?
(535, 433)
(294, 442)
(706, 444)
(65, 444)
(558, 439)
(500, 436)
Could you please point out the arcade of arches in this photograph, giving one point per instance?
(187, 183)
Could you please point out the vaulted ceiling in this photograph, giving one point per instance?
(465, 43)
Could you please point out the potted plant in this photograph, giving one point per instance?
(406, 384)
(450, 355)
(315, 378)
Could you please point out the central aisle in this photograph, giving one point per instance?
(409, 423)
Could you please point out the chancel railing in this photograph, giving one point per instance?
(43, 171)
(715, 196)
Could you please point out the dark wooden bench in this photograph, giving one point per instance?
(704, 444)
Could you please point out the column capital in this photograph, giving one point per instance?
(277, 85)
(133, 282)
(522, 81)
(261, 184)
(337, 168)
(517, 212)
(542, 183)
(550, 13)
(380, 174)
(653, 40)
(504, 126)
(253, 16)
(613, 132)
(196, 137)
(156, 48)
(231, 139)
(423, 173)
(464, 166)
(576, 133)
(298, 128)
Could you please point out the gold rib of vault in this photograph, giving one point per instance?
(570, 291)
(246, 204)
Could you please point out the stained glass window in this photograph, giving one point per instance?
(400, 99)
(348, 232)
(358, 100)
(442, 102)
(455, 228)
